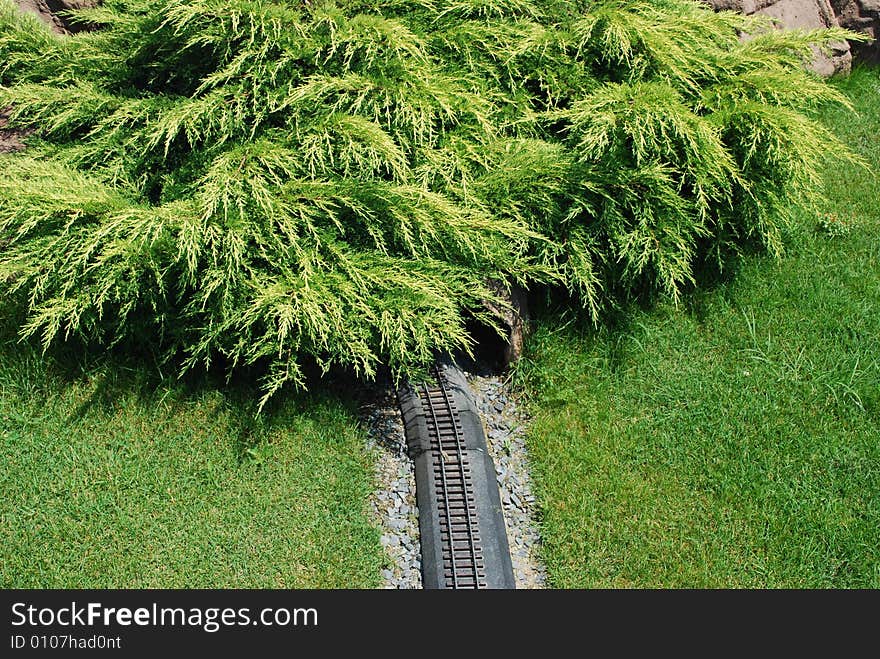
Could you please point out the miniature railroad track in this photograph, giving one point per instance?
(461, 525)
(463, 565)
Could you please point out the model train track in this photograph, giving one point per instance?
(463, 565)
(461, 526)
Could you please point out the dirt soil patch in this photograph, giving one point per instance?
(11, 139)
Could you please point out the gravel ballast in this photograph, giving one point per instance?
(505, 424)
(393, 503)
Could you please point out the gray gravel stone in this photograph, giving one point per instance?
(394, 502)
(506, 422)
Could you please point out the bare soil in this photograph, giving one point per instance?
(11, 139)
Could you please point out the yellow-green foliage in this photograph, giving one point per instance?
(280, 181)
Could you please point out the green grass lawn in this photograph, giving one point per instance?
(109, 480)
(735, 442)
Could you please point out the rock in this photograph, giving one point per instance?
(741, 6)
(516, 501)
(51, 11)
(861, 16)
(797, 14)
(811, 14)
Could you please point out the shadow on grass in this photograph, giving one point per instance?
(136, 373)
(618, 320)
